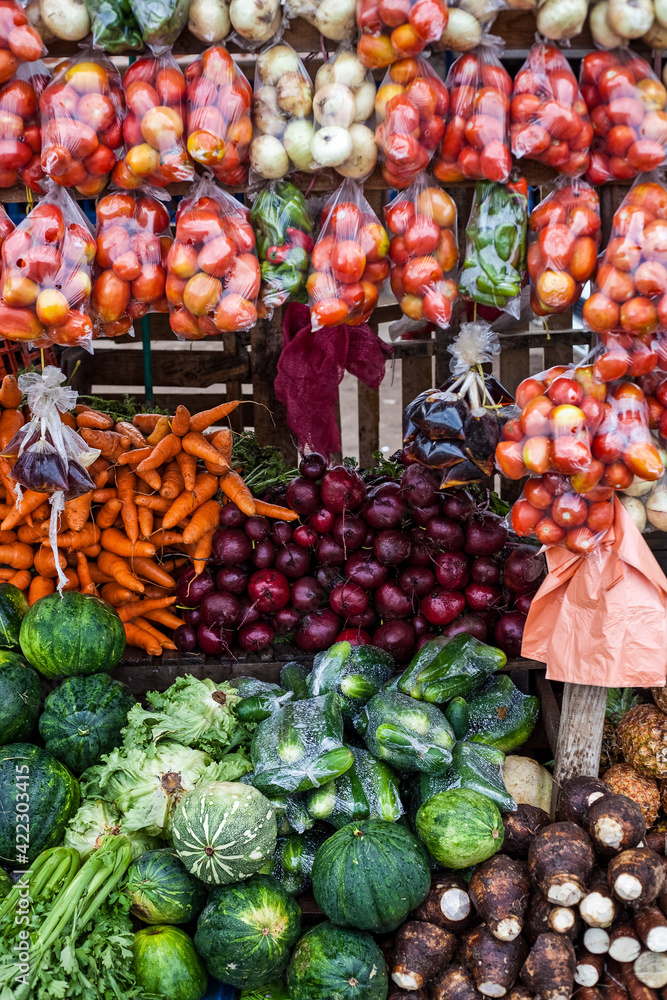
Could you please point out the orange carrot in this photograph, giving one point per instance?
(167, 448)
(29, 502)
(91, 551)
(28, 533)
(99, 472)
(272, 510)
(77, 511)
(153, 592)
(206, 486)
(146, 422)
(222, 442)
(133, 458)
(164, 617)
(160, 431)
(43, 513)
(196, 444)
(40, 586)
(69, 420)
(11, 421)
(115, 541)
(98, 577)
(201, 552)
(141, 639)
(114, 594)
(188, 466)
(147, 569)
(110, 444)
(83, 571)
(233, 486)
(172, 482)
(137, 439)
(19, 555)
(160, 637)
(200, 421)
(106, 515)
(160, 538)
(7, 537)
(45, 563)
(10, 394)
(22, 579)
(117, 568)
(151, 478)
(73, 582)
(158, 504)
(146, 522)
(133, 608)
(180, 424)
(204, 519)
(94, 420)
(126, 483)
(102, 495)
(89, 535)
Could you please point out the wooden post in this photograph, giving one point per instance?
(580, 731)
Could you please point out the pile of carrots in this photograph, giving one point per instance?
(153, 510)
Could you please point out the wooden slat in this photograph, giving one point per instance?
(368, 409)
(580, 733)
(177, 368)
(270, 416)
(550, 710)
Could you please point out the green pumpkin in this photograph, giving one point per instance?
(460, 827)
(72, 636)
(20, 697)
(53, 798)
(82, 719)
(162, 891)
(167, 965)
(333, 963)
(13, 607)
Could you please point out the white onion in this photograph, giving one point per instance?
(276, 62)
(267, 116)
(208, 20)
(256, 20)
(334, 105)
(336, 19)
(296, 140)
(295, 94)
(636, 510)
(349, 70)
(324, 76)
(364, 101)
(331, 146)
(630, 18)
(67, 19)
(656, 509)
(364, 153)
(268, 157)
(638, 488)
(463, 31)
(561, 19)
(602, 34)
(656, 36)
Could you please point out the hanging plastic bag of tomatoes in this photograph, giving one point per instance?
(154, 125)
(6, 225)
(549, 117)
(628, 305)
(349, 263)
(410, 110)
(283, 229)
(626, 104)
(133, 240)
(82, 123)
(213, 274)
(20, 128)
(495, 260)
(343, 109)
(219, 125)
(457, 427)
(565, 233)
(282, 114)
(46, 274)
(421, 223)
(19, 41)
(395, 29)
(476, 143)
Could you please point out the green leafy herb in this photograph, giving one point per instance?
(263, 465)
(123, 409)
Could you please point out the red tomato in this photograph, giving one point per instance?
(422, 236)
(496, 161)
(525, 518)
(348, 261)
(548, 532)
(557, 245)
(345, 220)
(399, 216)
(420, 273)
(330, 312)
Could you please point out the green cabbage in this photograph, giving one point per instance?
(96, 818)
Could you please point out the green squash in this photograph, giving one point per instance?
(161, 889)
(53, 798)
(370, 875)
(71, 636)
(460, 827)
(356, 673)
(274, 991)
(82, 719)
(167, 965)
(292, 861)
(13, 607)
(333, 963)
(20, 697)
(247, 930)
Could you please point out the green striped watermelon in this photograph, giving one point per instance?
(167, 965)
(72, 635)
(460, 827)
(333, 963)
(20, 697)
(162, 891)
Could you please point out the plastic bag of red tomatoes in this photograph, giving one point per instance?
(6, 225)
(46, 275)
(19, 41)
(409, 109)
(349, 262)
(394, 29)
(476, 142)
(626, 103)
(82, 123)
(219, 125)
(549, 117)
(20, 129)
(421, 223)
(565, 233)
(133, 240)
(154, 125)
(213, 274)
(628, 305)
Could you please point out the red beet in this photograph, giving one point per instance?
(355, 637)
(329, 552)
(416, 580)
(458, 505)
(313, 465)
(185, 638)
(234, 579)
(231, 516)
(365, 620)
(264, 554)
(231, 546)
(384, 511)
(485, 570)
(348, 599)
(307, 594)
(317, 630)
(305, 537)
(446, 535)
(269, 589)
(523, 603)
(220, 606)
(303, 496)
(471, 624)
(342, 489)
(422, 626)
(213, 640)
(422, 515)
(452, 570)
(391, 601)
(420, 553)
(191, 589)
(523, 569)
(285, 620)
(256, 636)
(349, 531)
(420, 486)
(293, 561)
(281, 532)
(191, 617)
(485, 534)
(508, 633)
(329, 577)
(442, 606)
(397, 638)
(249, 612)
(257, 528)
(481, 597)
(391, 547)
(322, 521)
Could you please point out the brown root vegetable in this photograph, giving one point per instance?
(624, 943)
(588, 993)
(455, 983)
(499, 890)
(421, 952)
(636, 989)
(636, 876)
(651, 925)
(589, 968)
(494, 964)
(565, 920)
(651, 969)
(542, 917)
(597, 908)
(396, 994)
(520, 828)
(613, 984)
(614, 823)
(577, 795)
(596, 940)
(519, 992)
(447, 904)
(560, 860)
(655, 840)
(549, 968)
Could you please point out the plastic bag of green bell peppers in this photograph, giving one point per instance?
(495, 258)
(113, 25)
(160, 21)
(283, 230)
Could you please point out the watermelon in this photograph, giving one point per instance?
(71, 636)
(224, 831)
(370, 875)
(167, 965)
(82, 719)
(460, 827)
(332, 963)
(53, 799)
(13, 607)
(162, 891)
(20, 697)
(247, 931)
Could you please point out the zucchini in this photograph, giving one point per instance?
(457, 714)
(356, 673)
(409, 736)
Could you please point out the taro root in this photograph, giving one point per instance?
(577, 795)
(494, 964)
(499, 889)
(421, 952)
(520, 828)
(624, 943)
(614, 823)
(542, 917)
(455, 983)
(447, 904)
(651, 925)
(549, 968)
(597, 908)
(560, 859)
(637, 876)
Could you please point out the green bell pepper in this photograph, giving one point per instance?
(502, 716)
(113, 25)
(160, 21)
(445, 668)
